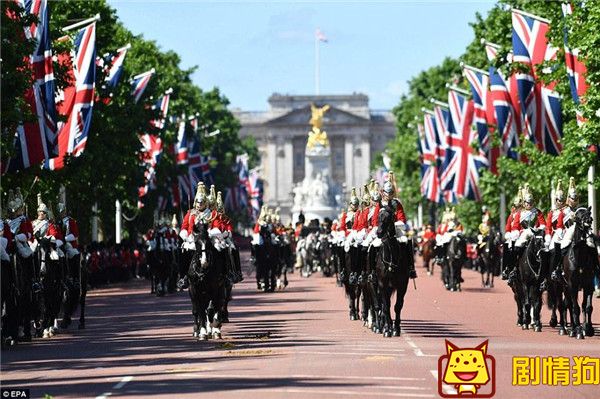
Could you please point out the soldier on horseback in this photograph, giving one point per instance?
(200, 212)
(510, 236)
(73, 278)
(555, 228)
(394, 205)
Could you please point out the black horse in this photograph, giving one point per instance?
(265, 256)
(208, 285)
(51, 283)
(532, 270)
(392, 266)
(456, 256)
(580, 263)
(489, 258)
(76, 289)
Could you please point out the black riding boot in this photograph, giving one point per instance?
(506, 252)
(412, 273)
(556, 263)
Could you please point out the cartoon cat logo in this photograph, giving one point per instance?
(467, 370)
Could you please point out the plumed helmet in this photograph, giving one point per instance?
(276, 217)
(62, 200)
(174, 221)
(41, 207)
(572, 190)
(366, 197)
(518, 198)
(15, 200)
(200, 194)
(219, 202)
(212, 196)
(375, 194)
(354, 198)
(527, 194)
(559, 194)
(389, 186)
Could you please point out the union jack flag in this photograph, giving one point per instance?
(461, 167)
(576, 69)
(181, 149)
(78, 99)
(139, 83)
(35, 142)
(441, 118)
(430, 182)
(112, 67)
(163, 106)
(540, 104)
(152, 148)
(255, 193)
(484, 113)
(243, 180)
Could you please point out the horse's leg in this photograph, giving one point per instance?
(576, 312)
(386, 298)
(400, 293)
(526, 305)
(536, 297)
(588, 327)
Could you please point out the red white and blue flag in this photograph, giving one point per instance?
(576, 69)
(484, 116)
(112, 65)
(139, 83)
(430, 182)
(78, 99)
(540, 104)
(461, 168)
(35, 141)
(255, 193)
(181, 147)
(442, 118)
(162, 104)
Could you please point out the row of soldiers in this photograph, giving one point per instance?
(525, 220)
(358, 224)
(32, 290)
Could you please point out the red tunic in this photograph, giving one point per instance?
(400, 215)
(375, 218)
(54, 231)
(553, 225)
(428, 234)
(71, 227)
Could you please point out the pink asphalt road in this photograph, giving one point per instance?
(297, 343)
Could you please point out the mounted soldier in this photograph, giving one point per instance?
(389, 200)
(10, 322)
(199, 213)
(510, 235)
(74, 277)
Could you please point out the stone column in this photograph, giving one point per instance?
(349, 162)
(271, 172)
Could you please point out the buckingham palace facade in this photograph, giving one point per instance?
(356, 133)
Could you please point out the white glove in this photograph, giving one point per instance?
(226, 234)
(214, 232)
(21, 237)
(514, 235)
(507, 235)
(58, 243)
(183, 234)
(190, 238)
(547, 239)
(70, 238)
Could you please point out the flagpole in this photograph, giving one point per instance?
(82, 23)
(592, 196)
(317, 83)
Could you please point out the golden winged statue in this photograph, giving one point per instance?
(317, 137)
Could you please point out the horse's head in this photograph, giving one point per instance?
(583, 218)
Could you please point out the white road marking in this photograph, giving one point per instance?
(117, 386)
(347, 353)
(351, 393)
(416, 349)
(445, 388)
(304, 376)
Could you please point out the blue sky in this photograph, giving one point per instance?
(253, 49)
